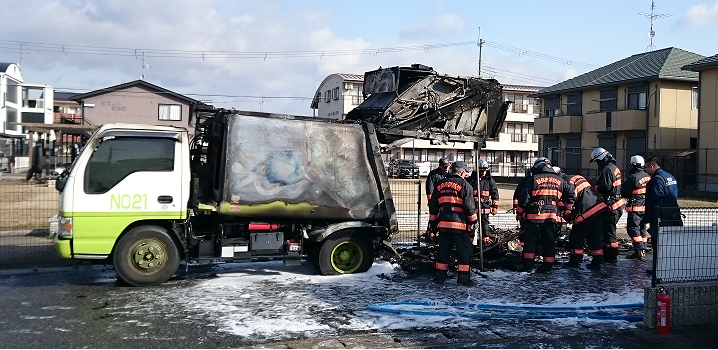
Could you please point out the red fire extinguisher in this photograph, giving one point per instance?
(663, 312)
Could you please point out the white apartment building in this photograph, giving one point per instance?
(337, 95)
(508, 154)
(21, 102)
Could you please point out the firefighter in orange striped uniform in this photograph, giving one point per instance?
(539, 198)
(587, 221)
(608, 186)
(634, 188)
(453, 214)
(486, 196)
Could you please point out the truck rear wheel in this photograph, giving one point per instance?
(346, 251)
(145, 256)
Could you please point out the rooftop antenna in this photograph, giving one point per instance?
(653, 17)
(144, 66)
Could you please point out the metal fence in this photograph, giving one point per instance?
(410, 202)
(24, 229)
(687, 253)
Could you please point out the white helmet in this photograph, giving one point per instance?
(483, 165)
(637, 161)
(556, 169)
(598, 154)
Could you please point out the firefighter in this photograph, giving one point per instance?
(518, 209)
(486, 196)
(452, 213)
(587, 221)
(634, 188)
(436, 175)
(540, 197)
(608, 186)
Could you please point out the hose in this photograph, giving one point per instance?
(519, 312)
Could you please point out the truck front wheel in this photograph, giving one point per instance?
(145, 256)
(346, 251)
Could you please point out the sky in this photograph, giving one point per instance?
(271, 56)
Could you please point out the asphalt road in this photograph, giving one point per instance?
(85, 306)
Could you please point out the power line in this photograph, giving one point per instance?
(541, 56)
(511, 74)
(24, 46)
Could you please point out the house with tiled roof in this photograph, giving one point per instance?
(643, 104)
(138, 102)
(707, 69)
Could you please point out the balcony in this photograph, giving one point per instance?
(558, 125)
(620, 120)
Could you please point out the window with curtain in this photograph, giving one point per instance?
(170, 112)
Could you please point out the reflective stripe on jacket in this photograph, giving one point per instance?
(634, 189)
(451, 206)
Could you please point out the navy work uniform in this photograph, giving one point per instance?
(452, 213)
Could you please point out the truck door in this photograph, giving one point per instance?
(130, 176)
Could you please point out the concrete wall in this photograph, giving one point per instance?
(694, 304)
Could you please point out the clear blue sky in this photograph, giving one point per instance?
(271, 55)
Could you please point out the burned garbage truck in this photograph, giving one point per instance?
(247, 186)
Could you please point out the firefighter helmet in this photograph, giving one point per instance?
(599, 153)
(483, 165)
(540, 160)
(637, 161)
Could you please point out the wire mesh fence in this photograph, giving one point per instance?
(409, 200)
(26, 208)
(687, 253)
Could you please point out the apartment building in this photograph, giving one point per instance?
(707, 69)
(337, 95)
(21, 102)
(643, 104)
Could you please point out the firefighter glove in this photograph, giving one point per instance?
(494, 210)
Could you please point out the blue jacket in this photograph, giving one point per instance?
(661, 191)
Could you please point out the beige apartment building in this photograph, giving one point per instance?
(643, 104)
(707, 68)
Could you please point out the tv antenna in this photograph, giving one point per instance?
(653, 17)
(144, 66)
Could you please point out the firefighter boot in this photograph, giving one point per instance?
(465, 279)
(639, 254)
(440, 276)
(596, 262)
(528, 265)
(545, 268)
(574, 261)
(610, 255)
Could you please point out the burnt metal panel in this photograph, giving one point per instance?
(276, 166)
(418, 99)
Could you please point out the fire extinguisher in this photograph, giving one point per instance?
(663, 312)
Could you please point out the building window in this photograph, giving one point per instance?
(491, 156)
(608, 100)
(356, 94)
(551, 108)
(170, 112)
(573, 105)
(461, 156)
(335, 93)
(435, 155)
(636, 98)
(412, 154)
(328, 96)
(694, 97)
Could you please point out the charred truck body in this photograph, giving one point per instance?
(248, 186)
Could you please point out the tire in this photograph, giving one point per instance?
(146, 256)
(345, 251)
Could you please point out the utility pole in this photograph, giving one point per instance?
(480, 44)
